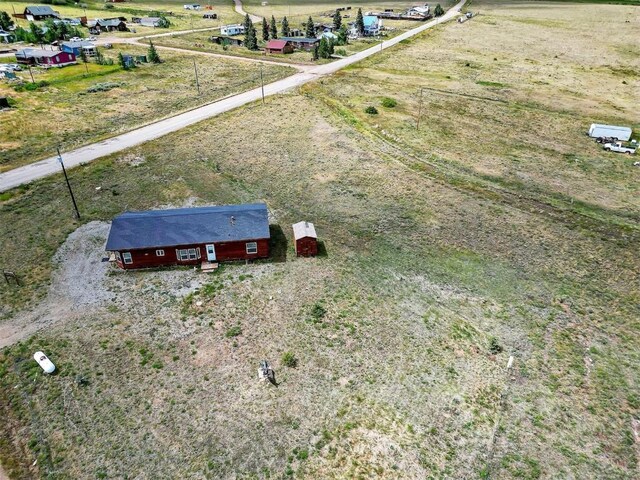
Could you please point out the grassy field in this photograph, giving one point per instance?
(436, 272)
(180, 19)
(58, 114)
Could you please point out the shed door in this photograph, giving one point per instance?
(211, 252)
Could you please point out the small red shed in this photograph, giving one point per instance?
(306, 239)
(279, 46)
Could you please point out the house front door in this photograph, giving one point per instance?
(211, 252)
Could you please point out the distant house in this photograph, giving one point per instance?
(192, 6)
(45, 58)
(419, 10)
(304, 234)
(235, 29)
(302, 43)
(189, 236)
(108, 25)
(77, 47)
(279, 46)
(150, 21)
(372, 26)
(226, 40)
(40, 12)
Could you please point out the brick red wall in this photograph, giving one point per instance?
(225, 251)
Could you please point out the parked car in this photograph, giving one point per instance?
(619, 148)
(93, 39)
(75, 39)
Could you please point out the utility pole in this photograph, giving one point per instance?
(419, 111)
(31, 73)
(195, 69)
(73, 199)
(262, 83)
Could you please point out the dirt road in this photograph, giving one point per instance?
(50, 166)
(240, 10)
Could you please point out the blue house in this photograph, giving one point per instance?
(77, 47)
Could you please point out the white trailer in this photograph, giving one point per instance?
(609, 132)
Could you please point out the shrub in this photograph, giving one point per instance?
(289, 360)
(371, 110)
(318, 312)
(341, 51)
(388, 102)
(494, 346)
(103, 87)
(233, 331)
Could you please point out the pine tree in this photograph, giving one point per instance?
(323, 48)
(6, 22)
(337, 20)
(251, 38)
(265, 30)
(247, 24)
(310, 31)
(360, 23)
(343, 36)
(285, 27)
(121, 61)
(438, 11)
(37, 35)
(331, 47)
(152, 54)
(274, 28)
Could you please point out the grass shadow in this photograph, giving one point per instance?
(278, 244)
(322, 250)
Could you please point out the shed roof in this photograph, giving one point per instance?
(304, 229)
(41, 10)
(300, 39)
(80, 44)
(36, 53)
(188, 226)
(277, 44)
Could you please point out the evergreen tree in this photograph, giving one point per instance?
(360, 23)
(343, 36)
(121, 61)
(274, 28)
(36, 33)
(247, 24)
(99, 57)
(251, 37)
(5, 21)
(286, 32)
(438, 11)
(310, 31)
(152, 54)
(337, 20)
(331, 47)
(164, 22)
(265, 30)
(323, 48)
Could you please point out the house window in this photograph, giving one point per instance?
(159, 253)
(252, 247)
(126, 257)
(186, 254)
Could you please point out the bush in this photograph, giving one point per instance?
(289, 360)
(341, 51)
(318, 312)
(30, 87)
(233, 332)
(103, 87)
(494, 346)
(388, 102)
(371, 110)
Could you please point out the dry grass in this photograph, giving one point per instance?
(394, 329)
(65, 114)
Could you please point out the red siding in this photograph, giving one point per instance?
(226, 251)
(306, 247)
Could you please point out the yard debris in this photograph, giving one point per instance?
(265, 372)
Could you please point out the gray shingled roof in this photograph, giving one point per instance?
(188, 226)
(41, 10)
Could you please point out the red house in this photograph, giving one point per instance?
(189, 236)
(45, 58)
(306, 239)
(279, 46)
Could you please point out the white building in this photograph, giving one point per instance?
(230, 30)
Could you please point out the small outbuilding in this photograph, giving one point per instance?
(302, 43)
(306, 239)
(278, 46)
(189, 236)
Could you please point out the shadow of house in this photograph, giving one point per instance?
(278, 244)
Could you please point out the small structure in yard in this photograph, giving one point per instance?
(278, 46)
(306, 239)
(76, 48)
(302, 43)
(210, 16)
(45, 58)
(189, 236)
(220, 40)
(154, 22)
(192, 6)
(38, 12)
(229, 30)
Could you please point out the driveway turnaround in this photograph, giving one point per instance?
(28, 173)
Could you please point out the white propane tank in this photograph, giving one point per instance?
(46, 364)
